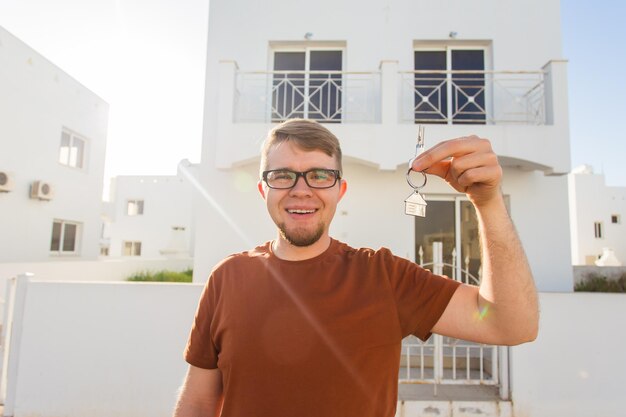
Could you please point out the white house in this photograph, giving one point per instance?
(150, 216)
(52, 145)
(597, 214)
(371, 71)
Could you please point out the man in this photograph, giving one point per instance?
(308, 326)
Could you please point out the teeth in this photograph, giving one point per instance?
(299, 211)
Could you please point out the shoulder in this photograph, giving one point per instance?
(237, 262)
(372, 256)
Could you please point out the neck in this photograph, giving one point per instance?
(288, 252)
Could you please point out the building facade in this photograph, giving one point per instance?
(52, 139)
(150, 216)
(372, 71)
(597, 214)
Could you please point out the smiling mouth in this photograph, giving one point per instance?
(301, 211)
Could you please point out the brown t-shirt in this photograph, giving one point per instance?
(313, 338)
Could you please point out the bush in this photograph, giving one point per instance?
(162, 276)
(599, 283)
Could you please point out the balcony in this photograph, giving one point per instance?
(442, 97)
(375, 112)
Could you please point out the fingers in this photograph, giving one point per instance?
(468, 164)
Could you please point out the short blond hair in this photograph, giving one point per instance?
(307, 135)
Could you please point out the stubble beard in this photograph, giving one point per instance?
(301, 237)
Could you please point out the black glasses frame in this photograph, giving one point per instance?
(302, 174)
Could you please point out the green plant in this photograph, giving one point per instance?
(162, 276)
(599, 283)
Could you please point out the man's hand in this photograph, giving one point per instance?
(504, 309)
(468, 164)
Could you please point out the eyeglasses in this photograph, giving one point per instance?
(283, 179)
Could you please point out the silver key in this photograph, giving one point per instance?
(414, 204)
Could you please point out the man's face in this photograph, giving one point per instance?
(302, 214)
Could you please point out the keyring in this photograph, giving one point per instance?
(413, 186)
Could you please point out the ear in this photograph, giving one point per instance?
(261, 190)
(343, 187)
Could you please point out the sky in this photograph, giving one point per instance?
(146, 58)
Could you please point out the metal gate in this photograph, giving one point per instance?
(446, 360)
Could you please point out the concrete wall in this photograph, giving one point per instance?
(106, 270)
(85, 349)
(99, 350)
(576, 367)
(592, 201)
(37, 102)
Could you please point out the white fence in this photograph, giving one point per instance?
(115, 349)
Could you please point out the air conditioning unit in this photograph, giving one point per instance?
(41, 190)
(6, 182)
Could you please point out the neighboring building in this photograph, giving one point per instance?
(597, 217)
(52, 146)
(150, 216)
(371, 71)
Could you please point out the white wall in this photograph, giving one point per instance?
(116, 349)
(591, 200)
(167, 203)
(37, 101)
(103, 270)
(576, 367)
(101, 350)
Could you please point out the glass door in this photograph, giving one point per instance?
(452, 222)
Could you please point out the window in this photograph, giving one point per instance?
(131, 249)
(597, 226)
(450, 85)
(72, 150)
(307, 83)
(134, 208)
(615, 219)
(64, 237)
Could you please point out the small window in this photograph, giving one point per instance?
(615, 219)
(104, 251)
(598, 230)
(72, 150)
(131, 249)
(64, 237)
(134, 208)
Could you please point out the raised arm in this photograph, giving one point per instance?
(201, 394)
(504, 309)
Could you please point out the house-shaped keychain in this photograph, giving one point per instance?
(415, 205)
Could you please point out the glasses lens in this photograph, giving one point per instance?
(321, 178)
(281, 179)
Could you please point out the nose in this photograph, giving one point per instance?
(301, 187)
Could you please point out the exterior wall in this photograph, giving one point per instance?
(102, 270)
(37, 101)
(575, 367)
(99, 350)
(119, 345)
(167, 203)
(592, 201)
(382, 40)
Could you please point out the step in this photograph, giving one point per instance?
(454, 409)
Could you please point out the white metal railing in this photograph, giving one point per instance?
(446, 360)
(473, 97)
(326, 96)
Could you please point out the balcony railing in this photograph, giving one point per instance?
(326, 96)
(439, 97)
(473, 97)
